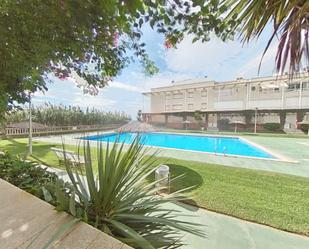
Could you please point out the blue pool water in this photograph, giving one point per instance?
(223, 145)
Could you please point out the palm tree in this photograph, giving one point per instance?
(120, 199)
(290, 20)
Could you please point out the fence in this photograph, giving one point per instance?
(59, 129)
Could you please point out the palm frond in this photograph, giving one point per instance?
(290, 20)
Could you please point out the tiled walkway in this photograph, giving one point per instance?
(296, 149)
(28, 222)
(225, 232)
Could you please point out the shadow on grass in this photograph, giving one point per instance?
(190, 178)
(185, 178)
(189, 205)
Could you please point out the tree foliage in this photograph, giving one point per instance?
(198, 118)
(53, 115)
(26, 175)
(139, 116)
(95, 39)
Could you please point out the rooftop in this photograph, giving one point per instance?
(204, 82)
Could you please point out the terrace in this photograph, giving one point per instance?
(213, 162)
(272, 193)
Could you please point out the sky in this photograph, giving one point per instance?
(215, 59)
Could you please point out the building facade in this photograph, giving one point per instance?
(275, 99)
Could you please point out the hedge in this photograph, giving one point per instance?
(272, 126)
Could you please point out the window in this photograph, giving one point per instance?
(226, 92)
(204, 93)
(177, 107)
(190, 106)
(178, 95)
(253, 88)
(167, 108)
(204, 106)
(293, 87)
(305, 85)
(190, 94)
(168, 96)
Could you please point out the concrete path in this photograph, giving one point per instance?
(28, 222)
(295, 149)
(225, 232)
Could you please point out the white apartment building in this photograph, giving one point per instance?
(272, 98)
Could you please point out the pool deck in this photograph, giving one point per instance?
(295, 150)
(225, 232)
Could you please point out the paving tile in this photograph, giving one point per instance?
(28, 222)
(81, 236)
(225, 232)
(35, 233)
(21, 211)
(103, 241)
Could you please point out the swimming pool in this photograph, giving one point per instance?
(211, 144)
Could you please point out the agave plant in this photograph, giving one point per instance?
(120, 200)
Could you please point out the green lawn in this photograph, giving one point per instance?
(278, 200)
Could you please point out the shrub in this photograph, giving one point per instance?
(304, 127)
(272, 126)
(199, 118)
(25, 175)
(120, 201)
(223, 124)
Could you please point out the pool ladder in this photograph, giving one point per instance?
(224, 152)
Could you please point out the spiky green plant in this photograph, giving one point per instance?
(120, 201)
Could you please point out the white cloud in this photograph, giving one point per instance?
(97, 102)
(201, 57)
(67, 93)
(222, 60)
(160, 79)
(124, 86)
(252, 66)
